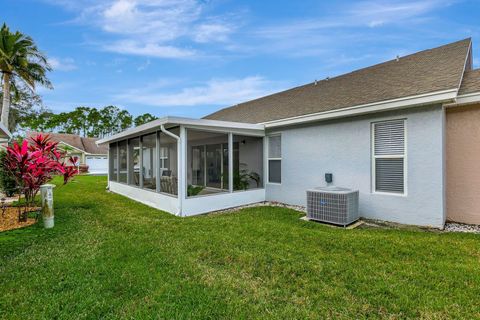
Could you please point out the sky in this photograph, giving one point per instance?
(190, 58)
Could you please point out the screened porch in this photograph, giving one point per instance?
(188, 166)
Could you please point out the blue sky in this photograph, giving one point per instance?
(190, 58)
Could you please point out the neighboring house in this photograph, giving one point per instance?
(405, 133)
(5, 136)
(86, 149)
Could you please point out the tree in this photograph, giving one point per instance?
(143, 118)
(25, 106)
(20, 62)
(85, 121)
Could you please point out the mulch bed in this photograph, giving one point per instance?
(9, 220)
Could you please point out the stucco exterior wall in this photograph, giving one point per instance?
(343, 147)
(463, 164)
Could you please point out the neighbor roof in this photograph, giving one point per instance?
(87, 145)
(471, 82)
(428, 71)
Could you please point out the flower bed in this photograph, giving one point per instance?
(9, 219)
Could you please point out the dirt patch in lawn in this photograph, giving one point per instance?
(9, 219)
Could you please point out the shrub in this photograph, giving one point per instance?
(8, 184)
(34, 165)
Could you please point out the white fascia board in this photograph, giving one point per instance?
(463, 99)
(96, 154)
(406, 102)
(62, 142)
(5, 131)
(198, 123)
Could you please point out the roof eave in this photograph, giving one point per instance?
(465, 99)
(400, 103)
(188, 122)
(5, 131)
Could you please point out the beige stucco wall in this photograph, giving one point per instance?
(463, 164)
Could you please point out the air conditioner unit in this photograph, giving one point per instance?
(334, 205)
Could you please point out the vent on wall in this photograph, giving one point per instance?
(333, 205)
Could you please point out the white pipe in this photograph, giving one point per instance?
(179, 185)
(168, 133)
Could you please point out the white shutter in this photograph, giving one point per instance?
(274, 147)
(390, 138)
(389, 156)
(389, 175)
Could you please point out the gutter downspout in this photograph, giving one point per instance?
(179, 149)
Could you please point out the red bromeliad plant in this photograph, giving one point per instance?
(36, 164)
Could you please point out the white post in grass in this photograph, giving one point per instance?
(46, 192)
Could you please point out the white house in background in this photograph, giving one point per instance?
(5, 135)
(381, 130)
(86, 149)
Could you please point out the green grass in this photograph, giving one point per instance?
(110, 257)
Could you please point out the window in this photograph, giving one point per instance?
(247, 162)
(168, 163)
(149, 168)
(112, 155)
(122, 153)
(134, 162)
(389, 156)
(163, 159)
(207, 162)
(275, 159)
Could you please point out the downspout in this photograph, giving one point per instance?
(179, 193)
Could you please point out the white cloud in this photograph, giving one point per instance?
(378, 13)
(211, 32)
(360, 22)
(213, 92)
(62, 64)
(148, 49)
(151, 27)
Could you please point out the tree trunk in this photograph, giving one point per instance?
(6, 99)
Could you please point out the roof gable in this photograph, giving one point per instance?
(470, 82)
(424, 72)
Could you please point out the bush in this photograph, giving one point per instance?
(83, 168)
(8, 184)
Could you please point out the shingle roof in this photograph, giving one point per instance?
(470, 82)
(427, 71)
(85, 144)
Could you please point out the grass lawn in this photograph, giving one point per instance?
(110, 257)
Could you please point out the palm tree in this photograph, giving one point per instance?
(20, 63)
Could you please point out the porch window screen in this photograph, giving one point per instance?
(275, 159)
(389, 156)
(113, 161)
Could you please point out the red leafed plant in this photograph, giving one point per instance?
(35, 164)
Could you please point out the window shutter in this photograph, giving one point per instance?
(274, 147)
(390, 138)
(389, 175)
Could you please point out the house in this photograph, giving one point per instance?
(86, 149)
(405, 133)
(5, 136)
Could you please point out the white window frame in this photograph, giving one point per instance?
(268, 159)
(163, 158)
(404, 157)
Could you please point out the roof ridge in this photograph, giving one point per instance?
(319, 82)
(402, 57)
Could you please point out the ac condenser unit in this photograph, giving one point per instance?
(333, 205)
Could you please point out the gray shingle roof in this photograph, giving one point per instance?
(470, 82)
(427, 71)
(85, 144)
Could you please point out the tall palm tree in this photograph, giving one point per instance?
(20, 63)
